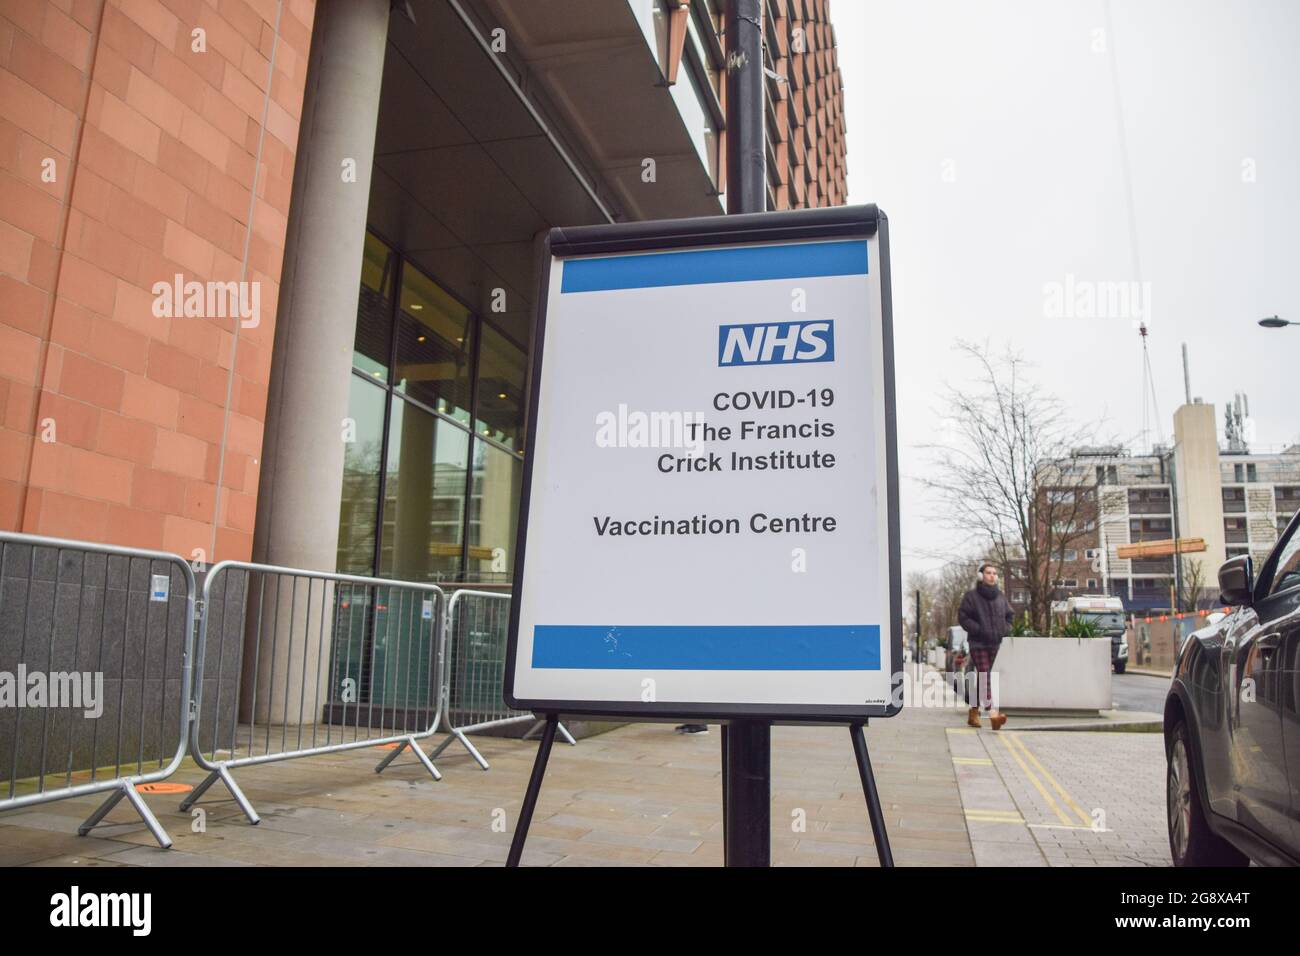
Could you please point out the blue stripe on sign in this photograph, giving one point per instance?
(833, 647)
(709, 266)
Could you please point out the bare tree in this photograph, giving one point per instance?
(954, 579)
(1194, 584)
(920, 581)
(941, 594)
(1014, 473)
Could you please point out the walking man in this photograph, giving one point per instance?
(986, 616)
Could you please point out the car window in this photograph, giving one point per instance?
(1287, 573)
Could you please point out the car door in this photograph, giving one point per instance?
(1257, 748)
(1290, 676)
(1284, 588)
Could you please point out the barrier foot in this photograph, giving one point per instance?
(104, 809)
(568, 737)
(531, 794)
(392, 755)
(415, 749)
(199, 791)
(424, 759)
(878, 832)
(455, 734)
(133, 797)
(222, 774)
(240, 799)
(150, 820)
(473, 751)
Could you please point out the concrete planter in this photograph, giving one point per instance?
(1056, 674)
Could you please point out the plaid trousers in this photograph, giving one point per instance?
(982, 657)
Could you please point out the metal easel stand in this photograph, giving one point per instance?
(534, 789)
(551, 724)
(874, 811)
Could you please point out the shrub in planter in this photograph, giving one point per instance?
(1080, 628)
(1021, 627)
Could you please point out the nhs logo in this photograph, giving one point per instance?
(770, 343)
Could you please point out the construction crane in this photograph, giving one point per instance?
(1150, 407)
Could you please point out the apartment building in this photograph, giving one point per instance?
(1202, 486)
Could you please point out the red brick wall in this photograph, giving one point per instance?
(811, 153)
(157, 152)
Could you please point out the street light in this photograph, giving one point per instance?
(1273, 322)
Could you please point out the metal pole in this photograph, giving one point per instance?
(531, 794)
(874, 810)
(746, 158)
(1173, 514)
(747, 756)
(918, 633)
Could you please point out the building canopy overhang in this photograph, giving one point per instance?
(479, 149)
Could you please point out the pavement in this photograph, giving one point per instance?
(1062, 799)
(644, 795)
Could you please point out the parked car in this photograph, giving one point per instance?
(1232, 724)
(958, 658)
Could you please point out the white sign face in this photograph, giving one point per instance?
(707, 523)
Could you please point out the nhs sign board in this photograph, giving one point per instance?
(657, 316)
(776, 342)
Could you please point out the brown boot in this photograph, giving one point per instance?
(997, 719)
(973, 718)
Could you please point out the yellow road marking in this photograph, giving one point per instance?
(961, 730)
(974, 761)
(982, 816)
(1034, 780)
(1065, 826)
(1069, 801)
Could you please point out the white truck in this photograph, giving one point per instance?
(1107, 613)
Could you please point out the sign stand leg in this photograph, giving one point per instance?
(726, 778)
(747, 799)
(534, 789)
(877, 815)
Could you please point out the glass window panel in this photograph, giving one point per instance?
(494, 510)
(434, 346)
(652, 18)
(697, 117)
(427, 458)
(501, 379)
(375, 309)
(358, 509)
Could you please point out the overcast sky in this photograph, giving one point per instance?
(988, 131)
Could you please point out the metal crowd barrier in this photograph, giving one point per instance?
(474, 679)
(365, 674)
(96, 645)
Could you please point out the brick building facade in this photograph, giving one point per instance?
(146, 143)
(140, 139)
(806, 165)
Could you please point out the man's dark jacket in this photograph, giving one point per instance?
(985, 614)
